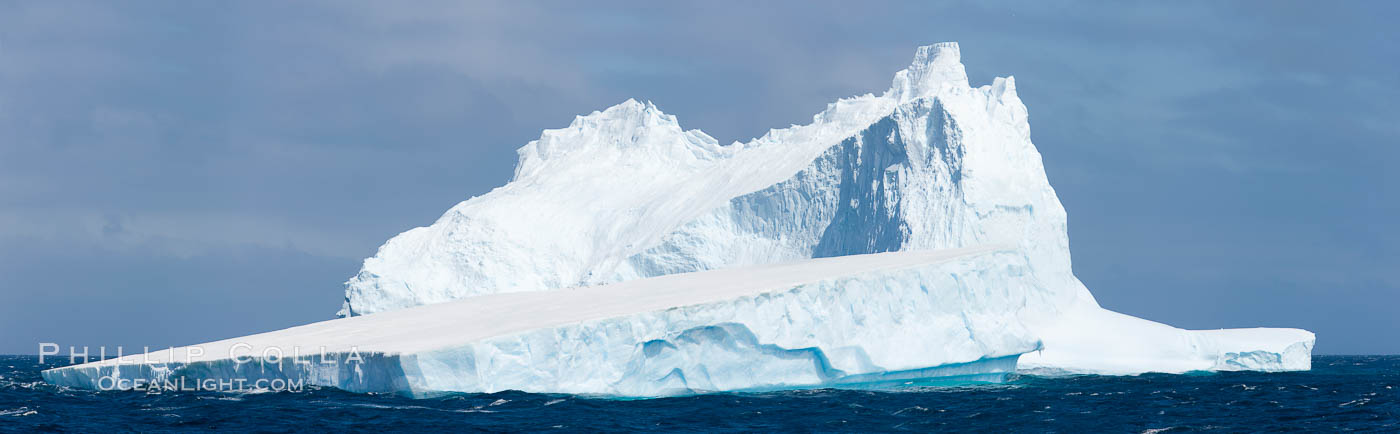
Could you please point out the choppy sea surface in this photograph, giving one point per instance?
(1340, 393)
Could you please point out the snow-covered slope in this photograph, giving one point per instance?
(932, 163)
(864, 320)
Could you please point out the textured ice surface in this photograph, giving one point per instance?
(932, 163)
(863, 320)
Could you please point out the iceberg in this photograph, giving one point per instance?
(899, 238)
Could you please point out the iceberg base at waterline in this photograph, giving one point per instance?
(1087, 339)
(857, 321)
(950, 316)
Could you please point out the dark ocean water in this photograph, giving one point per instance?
(1340, 393)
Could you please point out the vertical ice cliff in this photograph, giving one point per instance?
(932, 163)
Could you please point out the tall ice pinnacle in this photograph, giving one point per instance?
(933, 67)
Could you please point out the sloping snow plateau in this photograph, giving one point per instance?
(887, 318)
(931, 165)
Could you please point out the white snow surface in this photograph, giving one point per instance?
(851, 320)
(932, 163)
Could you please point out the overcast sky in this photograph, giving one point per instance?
(179, 172)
